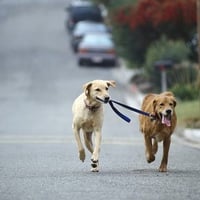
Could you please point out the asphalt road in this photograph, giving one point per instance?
(39, 79)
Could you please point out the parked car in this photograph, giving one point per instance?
(81, 11)
(84, 27)
(97, 48)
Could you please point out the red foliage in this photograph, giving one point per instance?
(143, 13)
(121, 16)
(157, 12)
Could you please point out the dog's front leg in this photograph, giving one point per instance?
(79, 144)
(149, 151)
(95, 155)
(166, 145)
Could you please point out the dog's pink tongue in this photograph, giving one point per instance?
(166, 121)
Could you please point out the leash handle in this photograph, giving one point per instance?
(119, 113)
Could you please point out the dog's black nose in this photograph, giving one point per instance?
(106, 99)
(168, 112)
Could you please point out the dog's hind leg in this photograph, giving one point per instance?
(88, 141)
(79, 143)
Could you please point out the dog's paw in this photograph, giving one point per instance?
(94, 161)
(82, 155)
(150, 158)
(95, 157)
(163, 168)
(95, 165)
(95, 169)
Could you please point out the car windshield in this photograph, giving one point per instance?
(97, 40)
(89, 27)
(80, 13)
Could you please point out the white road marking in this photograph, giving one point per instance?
(62, 139)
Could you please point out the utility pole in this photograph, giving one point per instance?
(198, 39)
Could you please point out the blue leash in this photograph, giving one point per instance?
(119, 113)
(127, 119)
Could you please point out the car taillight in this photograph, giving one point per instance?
(83, 50)
(111, 51)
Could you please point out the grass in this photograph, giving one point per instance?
(188, 114)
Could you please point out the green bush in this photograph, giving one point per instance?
(165, 49)
(182, 81)
(182, 74)
(185, 92)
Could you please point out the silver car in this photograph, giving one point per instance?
(97, 48)
(84, 27)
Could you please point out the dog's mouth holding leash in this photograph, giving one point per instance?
(166, 118)
(105, 100)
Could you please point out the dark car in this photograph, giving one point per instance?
(97, 48)
(82, 11)
(84, 27)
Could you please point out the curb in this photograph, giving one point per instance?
(189, 137)
(192, 135)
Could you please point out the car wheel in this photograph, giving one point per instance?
(81, 62)
(113, 63)
(75, 49)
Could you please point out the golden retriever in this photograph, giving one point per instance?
(163, 107)
(88, 113)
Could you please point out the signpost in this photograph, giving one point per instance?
(163, 66)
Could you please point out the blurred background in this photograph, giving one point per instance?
(161, 39)
(49, 48)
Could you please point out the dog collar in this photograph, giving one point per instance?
(91, 108)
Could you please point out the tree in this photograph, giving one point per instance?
(151, 19)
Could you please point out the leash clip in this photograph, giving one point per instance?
(152, 117)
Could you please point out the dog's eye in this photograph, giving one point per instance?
(161, 104)
(171, 104)
(106, 88)
(98, 90)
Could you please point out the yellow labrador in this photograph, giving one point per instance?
(88, 113)
(163, 107)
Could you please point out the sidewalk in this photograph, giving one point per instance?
(134, 98)
(190, 137)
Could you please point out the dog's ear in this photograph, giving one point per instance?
(111, 83)
(154, 104)
(86, 88)
(174, 101)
